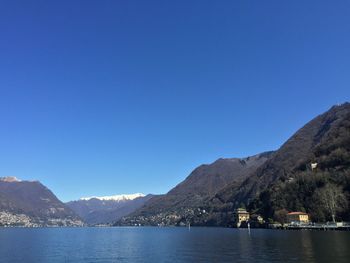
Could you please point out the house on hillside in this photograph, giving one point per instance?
(297, 218)
(240, 216)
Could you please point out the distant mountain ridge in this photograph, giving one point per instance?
(122, 197)
(29, 203)
(9, 179)
(107, 209)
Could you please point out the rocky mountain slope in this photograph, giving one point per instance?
(107, 209)
(29, 203)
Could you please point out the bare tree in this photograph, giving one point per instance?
(332, 199)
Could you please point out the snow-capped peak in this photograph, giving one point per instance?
(122, 197)
(9, 179)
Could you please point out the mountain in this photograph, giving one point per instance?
(286, 182)
(107, 209)
(29, 203)
(310, 172)
(118, 198)
(209, 179)
(190, 196)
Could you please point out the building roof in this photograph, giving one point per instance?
(297, 213)
(241, 211)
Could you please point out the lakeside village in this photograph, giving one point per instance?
(242, 219)
(295, 221)
(21, 220)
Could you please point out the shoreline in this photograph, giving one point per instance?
(290, 228)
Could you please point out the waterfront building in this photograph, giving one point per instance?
(297, 217)
(240, 216)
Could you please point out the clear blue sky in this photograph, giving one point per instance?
(109, 97)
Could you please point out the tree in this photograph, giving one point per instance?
(332, 199)
(281, 216)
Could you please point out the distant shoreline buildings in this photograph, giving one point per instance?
(294, 220)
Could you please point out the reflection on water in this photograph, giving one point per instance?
(171, 245)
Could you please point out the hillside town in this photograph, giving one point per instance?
(8, 219)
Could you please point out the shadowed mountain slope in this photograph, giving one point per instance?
(324, 141)
(35, 202)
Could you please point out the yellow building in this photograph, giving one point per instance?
(297, 217)
(240, 216)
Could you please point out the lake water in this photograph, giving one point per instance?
(148, 244)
